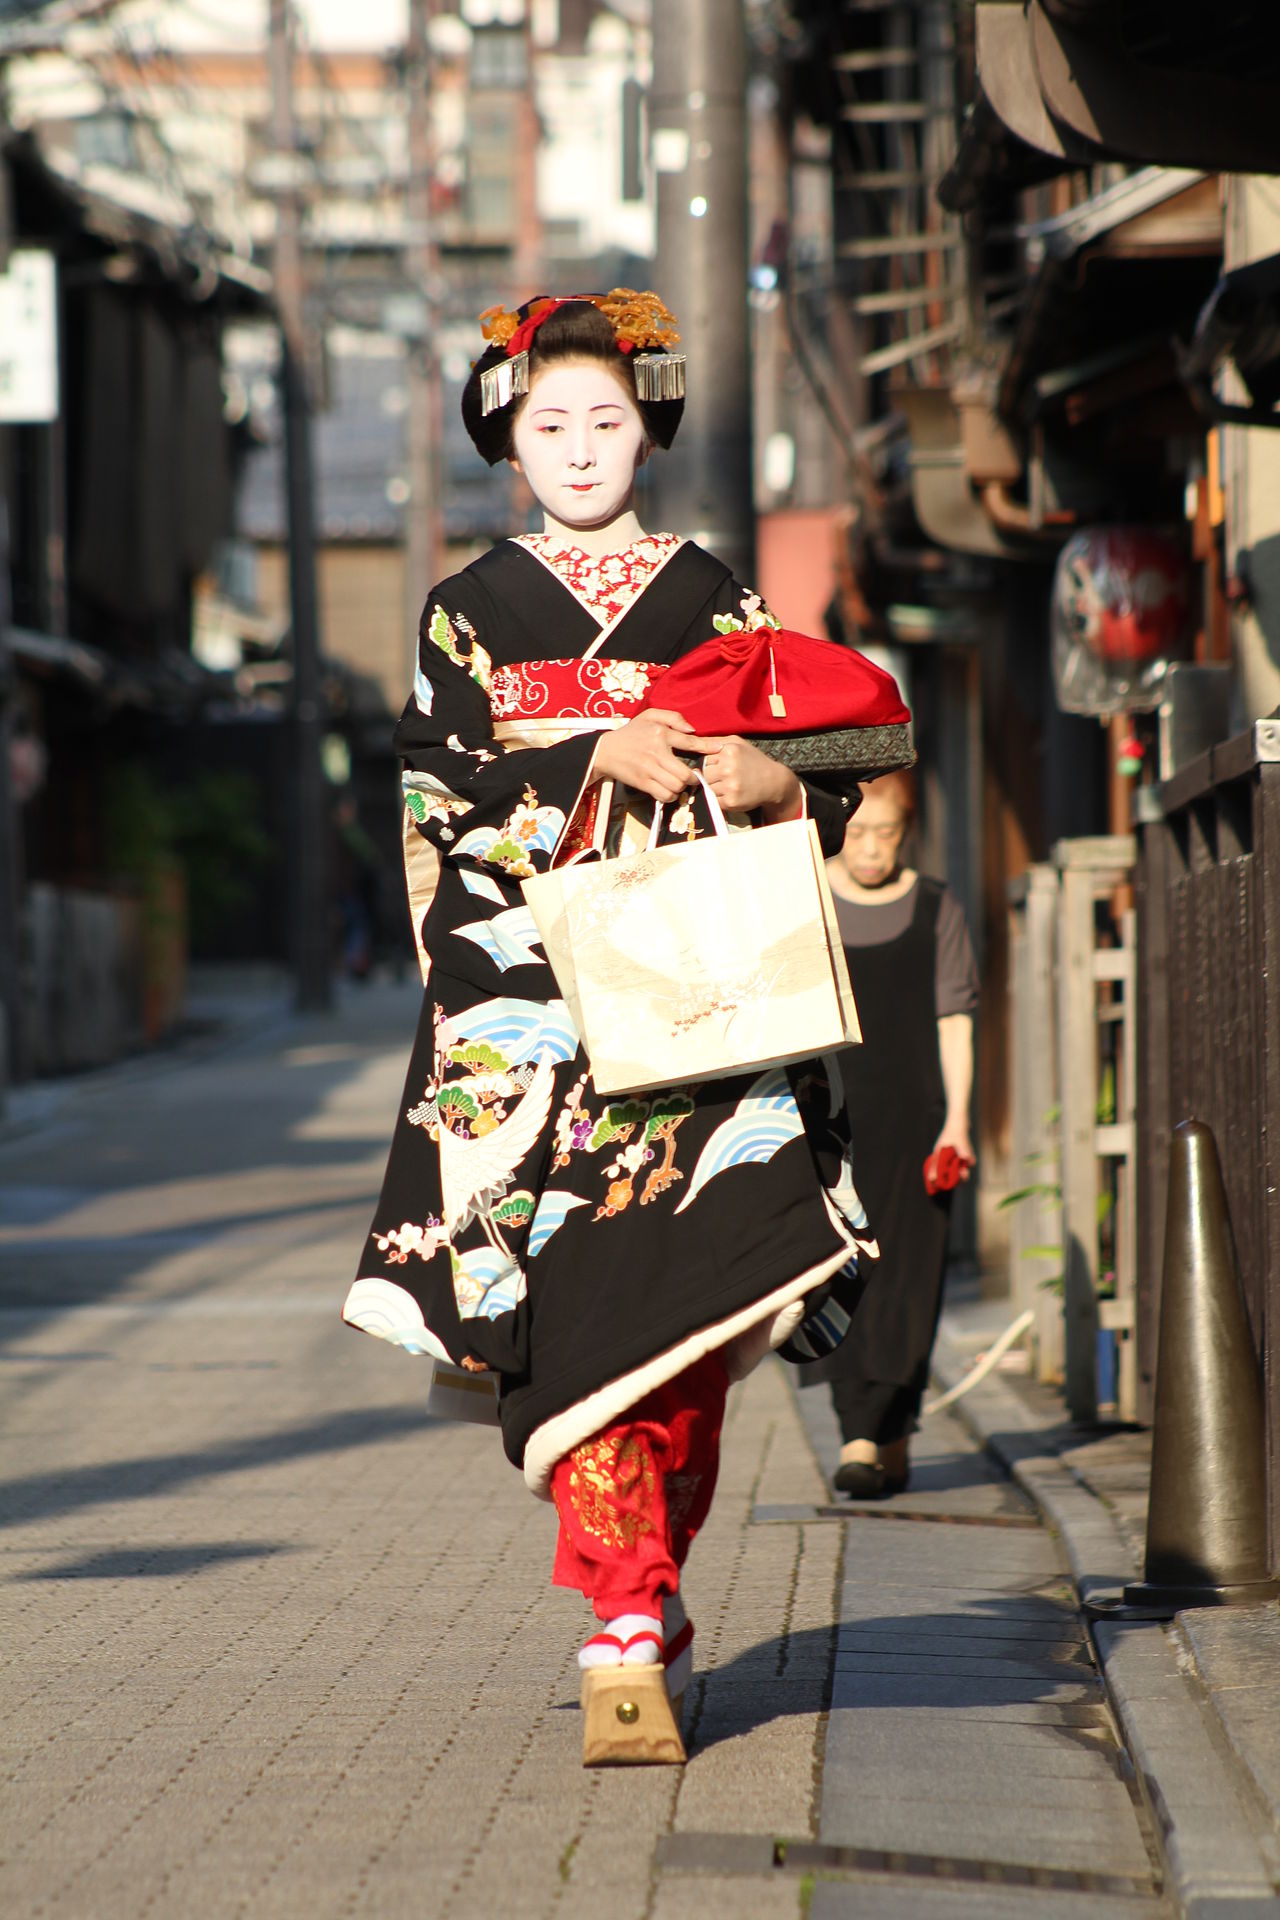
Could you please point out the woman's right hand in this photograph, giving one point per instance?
(642, 754)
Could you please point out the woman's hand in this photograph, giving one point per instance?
(955, 1133)
(642, 754)
(742, 778)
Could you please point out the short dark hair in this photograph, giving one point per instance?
(900, 785)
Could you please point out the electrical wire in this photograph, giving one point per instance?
(155, 68)
(124, 46)
(200, 245)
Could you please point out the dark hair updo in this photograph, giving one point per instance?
(575, 331)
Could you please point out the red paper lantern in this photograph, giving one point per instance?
(1123, 593)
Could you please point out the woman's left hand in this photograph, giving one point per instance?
(742, 778)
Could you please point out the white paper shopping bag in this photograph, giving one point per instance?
(688, 962)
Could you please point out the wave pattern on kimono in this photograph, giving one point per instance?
(586, 1248)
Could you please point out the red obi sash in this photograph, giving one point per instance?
(571, 689)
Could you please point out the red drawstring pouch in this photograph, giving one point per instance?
(807, 702)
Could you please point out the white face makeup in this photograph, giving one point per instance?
(579, 441)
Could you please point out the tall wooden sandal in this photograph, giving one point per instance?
(629, 1721)
(632, 1640)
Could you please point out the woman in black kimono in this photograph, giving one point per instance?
(612, 1261)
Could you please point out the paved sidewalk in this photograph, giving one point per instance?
(1198, 1700)
(278, 1645)
(275, 1643)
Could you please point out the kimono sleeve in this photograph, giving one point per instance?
(473, 800)
(828, 804)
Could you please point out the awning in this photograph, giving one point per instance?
(992, 159)
(1240, 322)
(53, 654)
(1138, 258)
(1184, 84)
(124, 218)
(173, 683)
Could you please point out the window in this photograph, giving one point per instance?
(105, 140)
(498, 59)
(491, 192)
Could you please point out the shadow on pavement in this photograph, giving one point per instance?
(1003, 1654)
(245, 1138)
(945, 1473)
(41, 1496)
(157, 1563)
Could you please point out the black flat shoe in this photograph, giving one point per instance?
(860, 1479)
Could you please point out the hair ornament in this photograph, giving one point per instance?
(639, 320)
(659, 376)
(643, 331)
(501, 384)
(497, 325)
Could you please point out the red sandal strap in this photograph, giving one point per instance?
(637, 1639)
(606, 1640)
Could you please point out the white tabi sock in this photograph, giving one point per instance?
(632, 1640)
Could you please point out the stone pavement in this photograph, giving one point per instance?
(1197, 1700)
(277, 1644)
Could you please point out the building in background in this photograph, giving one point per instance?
(118, 493)
(537, 172)
(991, 240)
(537, 175)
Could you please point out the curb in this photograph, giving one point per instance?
(1214, 1869)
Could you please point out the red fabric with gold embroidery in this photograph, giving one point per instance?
(632, 1498)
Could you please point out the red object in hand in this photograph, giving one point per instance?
(944, 1170)
(772, 681)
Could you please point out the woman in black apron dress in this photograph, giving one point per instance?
(907, 1091)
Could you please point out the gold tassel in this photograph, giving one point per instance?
(659, 376)
(501, 384)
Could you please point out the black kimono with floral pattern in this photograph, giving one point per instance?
(585, 1248)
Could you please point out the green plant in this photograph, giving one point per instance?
(1051, 1189)
(222, 844)
(138, 820)
(210, 825)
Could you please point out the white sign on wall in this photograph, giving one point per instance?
(29, 338)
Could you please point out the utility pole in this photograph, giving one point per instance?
(698, 147)
(424, 519)
(311, 799)
(12, 1061)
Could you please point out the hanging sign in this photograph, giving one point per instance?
(29, 339)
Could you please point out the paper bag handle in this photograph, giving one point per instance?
(714, 808)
